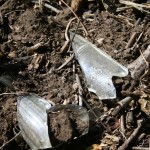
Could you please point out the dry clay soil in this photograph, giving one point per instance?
(23, 25)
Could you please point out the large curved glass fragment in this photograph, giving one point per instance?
(98, 67)
(32, 120)
(42, 125)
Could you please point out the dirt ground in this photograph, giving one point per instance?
(23, 25)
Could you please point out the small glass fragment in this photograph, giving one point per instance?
(98, 67)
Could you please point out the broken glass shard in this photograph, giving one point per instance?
(98, 67)
(32, 120)
(42, 125)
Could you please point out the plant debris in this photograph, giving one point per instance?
(36, 56)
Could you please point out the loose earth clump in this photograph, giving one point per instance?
(65, 125)
(31, 39)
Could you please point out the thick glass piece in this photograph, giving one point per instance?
(32, 120)
(98, 67)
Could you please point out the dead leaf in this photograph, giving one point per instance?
(36, 62)
(145, 106)
(75, 5)
(94, 147)
(12, 54)
(109, 141)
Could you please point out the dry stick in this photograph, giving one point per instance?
(135, 94)
(48, 6)
(144, 58)
(40, 4)
(134, 36)
(137, 40)
(122, 128)
(132, 136)
(17, 93)
(66, 36)
(122, 18)
(140, 148)
(36, 46)
(132, 40)
(10, 140)
(88, 106)
(95, 115)
(74, 35)
(123, 8)
(66, 62)
(14, 11)
(72, 56)
(75, 16)
(122, 104)
(134, 4)
(137, 6)
(52, 8)
(73, 67)
(141, 51)
(140, 64)
(79, 90)
(137, 22)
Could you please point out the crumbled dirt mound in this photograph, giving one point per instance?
(64, 126)
(23, 26)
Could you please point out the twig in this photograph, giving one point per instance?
(16, 93)
(137, 40)
(65, 63)
(137, 6)
(123, 8)
(122, 128)
(147, 65)
(132, 40)
(35, 47)
(132, 136)
(75, 16)
(140, 64)
(134, 35)
(40, 4)
(95, 115)
(122, 104)
(47, 5)
(144, 58)
(129, 119)
(73, 67)
(52, 8)
(10, 140)
(79, 90)
(140, 148)
(137, 22)
(66, 36)
(122, 19)
(135, 94)
(74, 35)
(13, 11)
(64, 46)
(144, 5)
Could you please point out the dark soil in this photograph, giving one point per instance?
(65, 125)
(23, 25)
